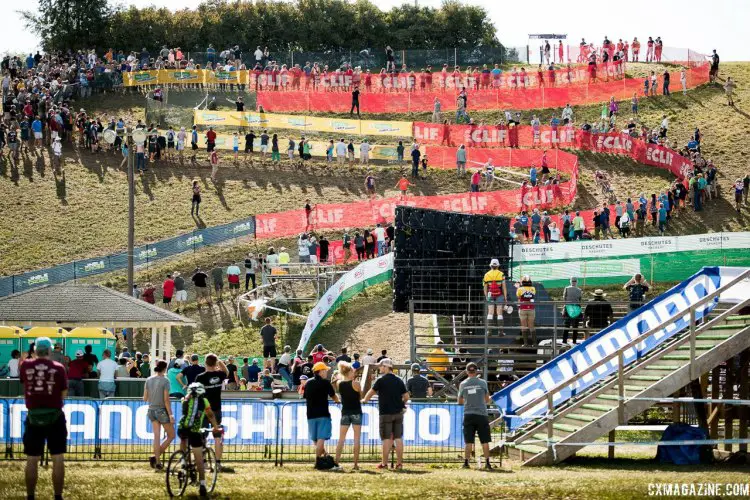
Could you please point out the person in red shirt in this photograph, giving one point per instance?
(45, 385)
(148, 293)
(476, 179)
(403, 185)
(560, 52)
(540, 76)
(319, 354)
(210, 139)
(78, 369)
(167, 291)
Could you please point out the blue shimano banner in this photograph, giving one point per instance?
(671, 303)
(248, 422)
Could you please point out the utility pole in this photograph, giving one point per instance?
(137, 136)
(131, 232)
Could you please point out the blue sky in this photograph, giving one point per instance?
(697, 24)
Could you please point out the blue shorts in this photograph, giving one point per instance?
(319, 428)
(496, 300)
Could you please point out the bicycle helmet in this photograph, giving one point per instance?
(197, 389)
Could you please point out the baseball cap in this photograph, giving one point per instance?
(369, 352)
(255, 361)
(303, 377)
(79, 353)
(43, 342)
(319, 366)
(471, 367)
(386, 362)
(178, 363)
(494, 263)
(415, 367)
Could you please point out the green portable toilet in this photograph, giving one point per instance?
(98, 338)
(10, 339)
(56, 335)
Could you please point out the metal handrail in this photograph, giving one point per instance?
(620, 352)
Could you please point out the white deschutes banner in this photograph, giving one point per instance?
(548, 272)
(366, 274)
(592, 249)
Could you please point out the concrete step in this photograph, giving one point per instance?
(645, 378)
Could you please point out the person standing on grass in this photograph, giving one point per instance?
(341, 151)
(683, 81)
(249, 142)
(370, 185)
(180, 294)
(275, 153)
(729, 87)
(392, 398)
(251, 266)
(745, 186)
(214, 164)
(268, 336)
(403, 185)
(264, 144)
(474, 394)
(194, 142)
(317, 391)
(355, 101)
(213, 379)
(202, 294)
(45, 386)
(351, 408)
(738, 190)
(461, 160)
(415, 156)
(156, 394)
(665, 84)
(233, 278)
(217, 276)
(181, 139)
(167, 291)
(662, 218)
(210, 140)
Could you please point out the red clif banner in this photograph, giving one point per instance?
(483, 98)
(480, 140)
(521, 76)
(494, 136)
(367, 213)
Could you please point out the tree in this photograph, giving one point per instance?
(69, 24)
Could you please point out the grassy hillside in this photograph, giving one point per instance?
(49, 220)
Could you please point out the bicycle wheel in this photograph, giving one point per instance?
(211, 468)
(177, 473)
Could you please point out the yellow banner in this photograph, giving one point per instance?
(184, 77)
(303, 123)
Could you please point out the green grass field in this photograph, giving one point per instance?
(582, 478)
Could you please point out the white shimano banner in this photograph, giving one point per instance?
(365, 274)
(673, 304)
(592, 249)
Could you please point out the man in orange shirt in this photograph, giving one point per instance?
(403, 184)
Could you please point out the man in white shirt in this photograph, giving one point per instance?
(369, 359)
(13, 363)
(380, 235)
(258, 55)
(364, 152)
(341, 151)
(106, 369)
(567, 114)
(665, 122)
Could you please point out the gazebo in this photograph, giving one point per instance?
(75, 305)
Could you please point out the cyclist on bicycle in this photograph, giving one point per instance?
(212, 380)
(195, 409)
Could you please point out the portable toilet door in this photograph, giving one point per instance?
(10, 340)
(98, 338)
(56, 335)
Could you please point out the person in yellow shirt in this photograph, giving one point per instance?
(495, 290)
(526, 294)
(438, 359)
(283, 256)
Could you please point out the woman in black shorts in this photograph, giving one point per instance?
(196, 199)
(351, 408)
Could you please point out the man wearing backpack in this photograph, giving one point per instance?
(572, 309)
(637, 288)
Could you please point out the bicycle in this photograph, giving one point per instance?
(182, 471)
